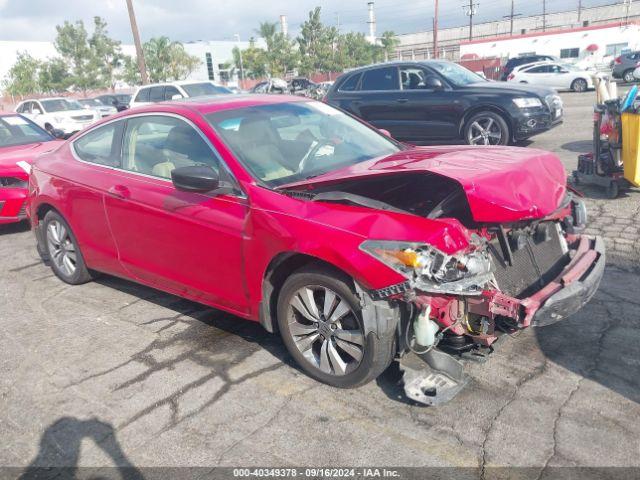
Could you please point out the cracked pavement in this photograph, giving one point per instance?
(112, 373)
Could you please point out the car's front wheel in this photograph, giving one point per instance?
(62, 250)
(628, 77)
(319, 317)
(486, 128)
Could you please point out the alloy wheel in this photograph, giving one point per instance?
(628, 76)
(325, 330)
(62, 251)
(484, 131)
(579, 85)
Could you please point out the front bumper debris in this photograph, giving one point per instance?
(433, 378)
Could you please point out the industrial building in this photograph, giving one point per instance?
(419, 45)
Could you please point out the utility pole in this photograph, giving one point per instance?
(511, 17)
(435, 30)
(626, 15)
(239, 47)
(579, 10)
(471, 10)
(136, 39)
(544, 15)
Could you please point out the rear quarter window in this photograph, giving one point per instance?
(351, 83)
(381, 79)
(143, 95)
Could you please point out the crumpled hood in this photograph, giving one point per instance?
(502, 184)
(10, 156)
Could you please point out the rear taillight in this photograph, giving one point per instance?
(618, 60)
(511, 76)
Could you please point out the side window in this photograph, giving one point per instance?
(541, 69)
(412, 78)
(170, 91)
(143, 95)
(36, 108)
(157, 144)
(156, 94)
(351, 83)
(21, 108)
(100, 145)
(381, 79)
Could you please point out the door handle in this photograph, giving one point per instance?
(119, 191)
(402, 100)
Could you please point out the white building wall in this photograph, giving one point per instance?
(609, 42)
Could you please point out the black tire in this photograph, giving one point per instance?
(486, 118)
(613, 190)
(65, 245)
(579, 85)
(628, 77)
(377, 353)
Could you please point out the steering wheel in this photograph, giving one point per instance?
(311, 154)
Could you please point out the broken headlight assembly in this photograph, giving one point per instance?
(431, 270)
(12, 182)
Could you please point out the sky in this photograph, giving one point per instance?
(187, 20)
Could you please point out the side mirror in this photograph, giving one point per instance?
(385, 132)
(56, 132)
(177, 96)
(433, 83)
(195, 178)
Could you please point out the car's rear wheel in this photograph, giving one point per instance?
(319, 317)
(486, 128)
(63, 252)
(579, 85)
(628, 77)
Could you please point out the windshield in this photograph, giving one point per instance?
(288, 142)
(456, 74)
(60, 105)
(17, 130)
(203, 89)
(91, 102)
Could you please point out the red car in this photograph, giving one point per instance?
(356, 248)
(21, 141)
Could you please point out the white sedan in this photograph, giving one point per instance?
(561, 76)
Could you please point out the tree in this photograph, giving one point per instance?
(356, 50)
(130, 73)
(168, 60)
(317, 44)
(389, 42)
(254, 60)
(72, 43)
(53, 76)
(22, 78)
(106, 53)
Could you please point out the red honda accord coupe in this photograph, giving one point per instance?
(21, 141)
(356, 248)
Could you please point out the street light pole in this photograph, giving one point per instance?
(435, 30)
(471, 12)
(237, 38)
(136, 40)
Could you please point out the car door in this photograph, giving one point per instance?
(86, 182)
(185, 243)
(426, 113)
(537, 75)
(377, 100)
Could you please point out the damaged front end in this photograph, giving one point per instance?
(525, 262)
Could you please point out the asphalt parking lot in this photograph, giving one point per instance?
(111, 373)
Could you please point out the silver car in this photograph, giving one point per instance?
(624, 65)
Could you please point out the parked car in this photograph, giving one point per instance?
(98, 106)
(118, 100)
(62, 114)
(624, 65)
(21, 141)
(524, 60)
(162, 92)
(560, 76)
(273, 85)
(301, 85)
(436, 100)
(287, 211)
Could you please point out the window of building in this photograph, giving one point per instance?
(210, 66)
(616, 49)
(569, 53)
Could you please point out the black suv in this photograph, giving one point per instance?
(435, 100)
(525, 60)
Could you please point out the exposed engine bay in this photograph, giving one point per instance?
(457, 306)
